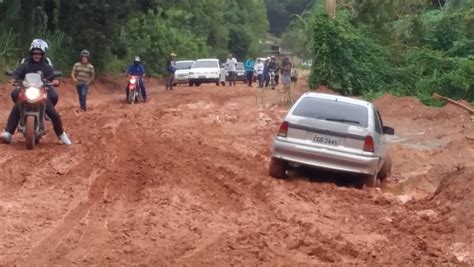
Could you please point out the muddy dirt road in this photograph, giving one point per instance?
(182, 180)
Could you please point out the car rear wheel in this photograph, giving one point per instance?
(278, 168)
(386, 168)
(369, 180)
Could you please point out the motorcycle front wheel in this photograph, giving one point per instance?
(131, 97)
(30, 132)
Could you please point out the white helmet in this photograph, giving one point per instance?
(137, 59)
(39, 44)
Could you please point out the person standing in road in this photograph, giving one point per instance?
(259, 67)
(170, 70)
(249, 68)
(231, 66)
(82, 74)
(286, 67)
(221, 75)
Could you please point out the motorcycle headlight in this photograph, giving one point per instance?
(32, 93)
(133, 81)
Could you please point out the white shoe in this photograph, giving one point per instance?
(6, 137)
(65, 139)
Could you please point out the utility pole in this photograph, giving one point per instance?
(331, 8)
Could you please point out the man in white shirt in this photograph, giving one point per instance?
(259, 67)
(231, 66)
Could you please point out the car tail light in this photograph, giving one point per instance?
(369, 145)
(283, 131)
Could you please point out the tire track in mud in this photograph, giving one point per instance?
(104, 130)
(181, 180)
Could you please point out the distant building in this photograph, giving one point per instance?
(274, 47)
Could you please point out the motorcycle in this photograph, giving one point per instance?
(134, 90)
(32, 104)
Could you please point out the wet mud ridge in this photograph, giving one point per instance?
(182, 180)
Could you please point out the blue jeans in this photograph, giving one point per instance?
(286, 79)
(82, 90)
(143, 89)
(260, 79)
(249, 78)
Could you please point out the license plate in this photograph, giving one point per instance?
(202, 77)
(326, 140)
(240, 74)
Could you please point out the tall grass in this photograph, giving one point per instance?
(8, 48)
(12, 50)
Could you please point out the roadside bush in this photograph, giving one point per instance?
(425, 56)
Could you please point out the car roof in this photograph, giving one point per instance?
(208, 59)
(338, 98)
(185, 61)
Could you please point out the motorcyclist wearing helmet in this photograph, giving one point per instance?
(83, 73)
(137, 69)
(52, 94)
(44, 44)
(35, 64)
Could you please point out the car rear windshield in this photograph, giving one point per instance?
(324, 109)
(181, 65)
(240, 66)
(206, 64)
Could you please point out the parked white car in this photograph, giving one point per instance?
(205, 71)
(182, 71)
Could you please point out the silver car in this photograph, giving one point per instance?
(335, 133)
(182, 71)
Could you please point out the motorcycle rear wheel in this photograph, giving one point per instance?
(30, 132)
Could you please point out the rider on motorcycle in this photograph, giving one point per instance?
(272, 67)
(137, 69)
(36, 63)
(52, 94)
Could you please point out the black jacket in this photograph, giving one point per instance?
(273, 66)
(29, 66)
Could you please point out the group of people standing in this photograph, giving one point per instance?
(264, 69)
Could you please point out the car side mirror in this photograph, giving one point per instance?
(388, 130)
(9, 73)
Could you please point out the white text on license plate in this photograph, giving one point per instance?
(327, 140)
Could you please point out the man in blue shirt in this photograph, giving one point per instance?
(137, 69)
(249, 68)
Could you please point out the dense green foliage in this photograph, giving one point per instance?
(405, 47)
(116, 30)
